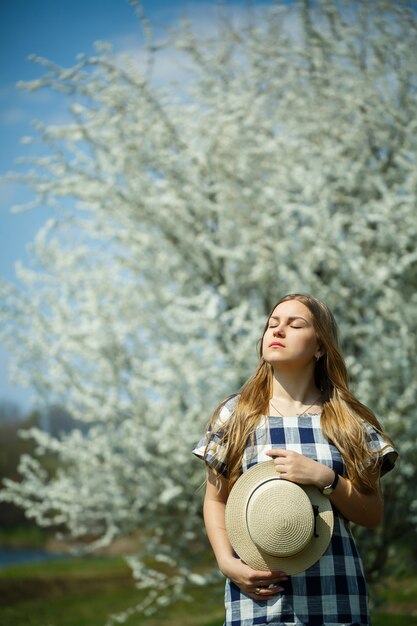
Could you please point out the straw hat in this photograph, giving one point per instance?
(274, 524)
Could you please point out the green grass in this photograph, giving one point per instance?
(393, 619)
(399, 606)
(68, 567)
(85, 591)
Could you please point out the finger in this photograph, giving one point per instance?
(265, 576)
(276, 452)
(279, 579)
(272, 590)
(268, 584)
(264, 593)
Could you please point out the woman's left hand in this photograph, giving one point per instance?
(300, 469)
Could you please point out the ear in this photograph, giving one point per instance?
(318, 354)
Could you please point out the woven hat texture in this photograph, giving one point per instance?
(274, 524)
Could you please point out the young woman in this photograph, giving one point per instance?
(297, 410)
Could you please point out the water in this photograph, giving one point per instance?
(18, 556)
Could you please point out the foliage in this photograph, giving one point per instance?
(285, 161)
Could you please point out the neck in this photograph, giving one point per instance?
(295, 386)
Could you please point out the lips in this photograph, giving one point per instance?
(276, 344)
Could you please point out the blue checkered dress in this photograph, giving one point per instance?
(333, 591)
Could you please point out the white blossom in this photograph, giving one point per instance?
(286, 163)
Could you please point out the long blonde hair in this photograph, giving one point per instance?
(342, 416)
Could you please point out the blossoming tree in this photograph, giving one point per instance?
(286, 161)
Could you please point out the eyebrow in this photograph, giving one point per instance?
(290, 319)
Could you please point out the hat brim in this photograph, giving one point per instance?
(238, 533)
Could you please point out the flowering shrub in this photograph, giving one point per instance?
(285, 161)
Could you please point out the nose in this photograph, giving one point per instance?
(279, 330)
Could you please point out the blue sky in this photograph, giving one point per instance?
(57, 30)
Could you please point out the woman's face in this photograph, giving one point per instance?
(290, 339)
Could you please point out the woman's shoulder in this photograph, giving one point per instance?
(227, 407)
(212, 447)
(380, 446)
(223, 412)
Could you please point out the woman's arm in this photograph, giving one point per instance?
(247, 579)
(365, 509)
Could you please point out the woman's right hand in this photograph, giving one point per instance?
(254, 583)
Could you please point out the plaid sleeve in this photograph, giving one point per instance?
(381, 448)
(210, 448)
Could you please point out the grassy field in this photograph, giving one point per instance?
(83, 592)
